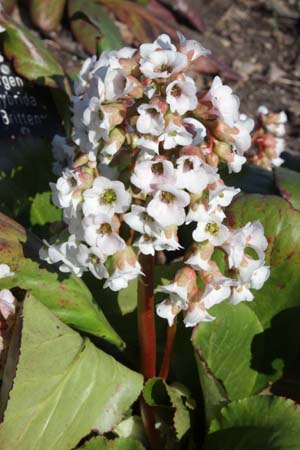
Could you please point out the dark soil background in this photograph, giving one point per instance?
(260, 39)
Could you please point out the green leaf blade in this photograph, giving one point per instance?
(58, 413)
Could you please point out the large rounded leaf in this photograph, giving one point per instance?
(288, 183)
(30, 56)
(224, 347)
(277, 304)
(66, 296)
(64, 386)
(262, 423)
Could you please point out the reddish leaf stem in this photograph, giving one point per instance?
(165, 367)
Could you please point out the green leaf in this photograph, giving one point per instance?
(214, 393)
(43, 211)
(64, 386)
(157, 393)
(276, 305)
(101, 443)
(262, 423)
(90, 22)
(224, 349)
(67, 297)
(46, 15)
(31, 58)
(288, 183)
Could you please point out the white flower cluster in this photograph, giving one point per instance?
(268, 139)
(143, 161)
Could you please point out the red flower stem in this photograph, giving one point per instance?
(146, 323)
(165, 367)
(147, 341)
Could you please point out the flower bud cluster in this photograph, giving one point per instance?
(142, 162)
(268, 140)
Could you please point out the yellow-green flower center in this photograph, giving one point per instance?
(108, 197)
(212, 228)
(94, 259)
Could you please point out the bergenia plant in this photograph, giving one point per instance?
(141, 164)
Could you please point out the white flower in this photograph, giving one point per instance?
(225, 103)
(5, 271)
(196, 213)
(177, 301)
(216, 292)
(255, 237)
(240, 294)
(7, 304)
(150, 120)
(181, 95)
(235, 247)
(167, 205)
(259, 277)
(200, 256)
(195, 128)
(247, 267)
(145, 244)
(96, 121)
(236, 164)
(66, 192)
(140, 221)
(120, 277)
(92, 259)
(81, 82)
(197, 313)
(167, 240)
(210, 228)
(163, 63)
(192, 49)
(242, 139)
(100, 231)
(107, 197)
(66, 253)
(174, 135)
(222, 195)
(117, 84)
(148, 143)
(193, 174)
(148, 174)
(163, 42)
(82, 136)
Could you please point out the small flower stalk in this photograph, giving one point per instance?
(143, 161)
